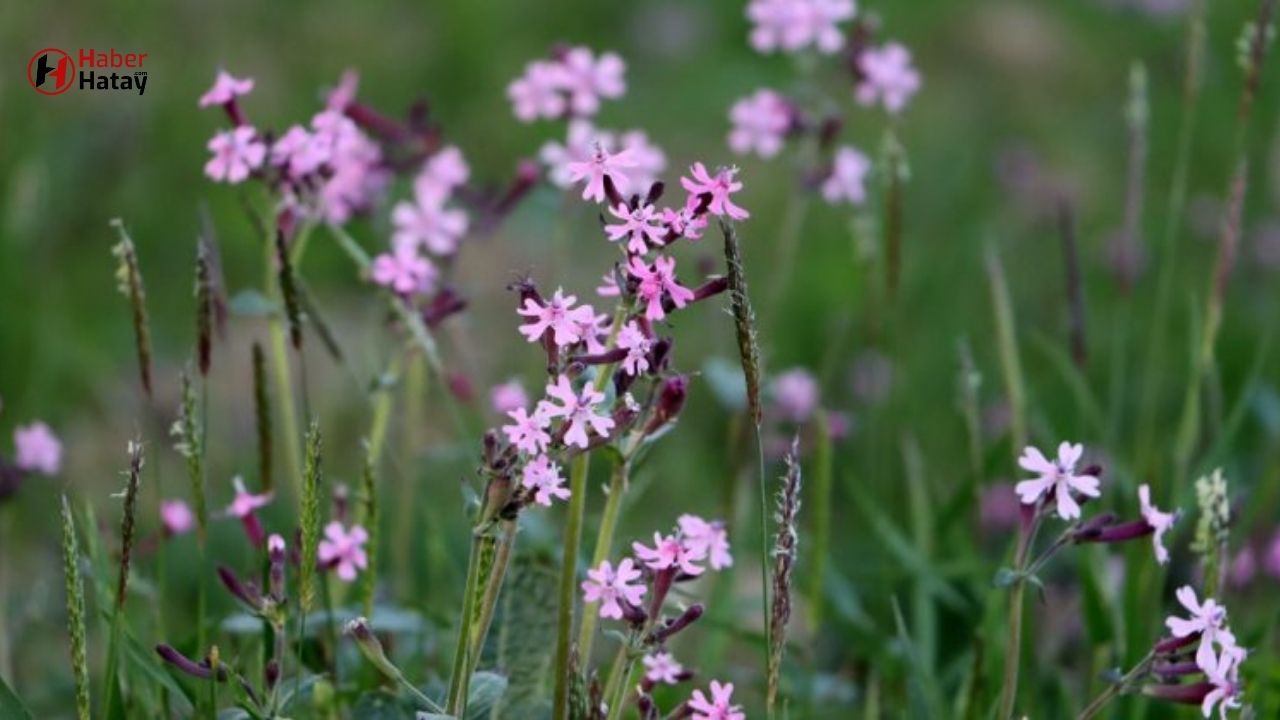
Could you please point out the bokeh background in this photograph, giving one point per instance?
(1022, 103)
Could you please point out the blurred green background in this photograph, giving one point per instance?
(1017, 97)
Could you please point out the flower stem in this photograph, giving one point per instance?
(604, 545)
(460, 678)
(489, 601)
(568, 576)
(1115, 689)
(1013, 646)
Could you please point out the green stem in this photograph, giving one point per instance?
(459, 680)
(604, 545)
(493, 587)
(765, 570)
(568, 582)
(1013, 644)
(1115, 689)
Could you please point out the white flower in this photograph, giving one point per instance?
(1057, 477)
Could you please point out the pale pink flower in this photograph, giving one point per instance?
(594, 170)
(428, 222)
(610, 588)
(795, 394)
(543, 476)
(1160, 522)
(356, 172)
(671, 551)
(608, 286)
(508, 396)
(528, 432)
(594, 331)
(656, 281)
(662, 667)
(720, 187)
(632, 339)
(588, 79)
(1223, 672)
(404, 271)
(794, 25)
(344, 550)
(37, 449)
(1058, 477)
(538, 92)
(685, 222)
(245, 503)
(719, 707)
(441, 174)
(236, 153)
(1208, 619)
(640, 226)
(578, 410)
(275, 543)
(887, 77)
(710, 538)
(344, 93)
(760, 123)
(579, 146)
(176, 517)
(225, 89)
(299, 152)
(557, 315)
(847, 181)
(650, 161)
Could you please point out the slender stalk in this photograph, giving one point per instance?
(822, 463)
(1114, 690)
(604, 545)
(489, 601)
(460, 678)
(1013, 645)
(284, 383)
(788, 245)
(1010, 364)
(765, 574)
(568, 578)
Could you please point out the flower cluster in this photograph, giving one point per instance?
(1217, 658)
(794, 25)
(571, 83)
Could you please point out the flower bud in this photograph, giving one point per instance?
(671, 397)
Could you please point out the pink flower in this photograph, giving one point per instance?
(344, 550)
(1243, 567)
(37, 449)
(793, 25)
(662, 667)
(344, 93)
(1057, 477)
(529, 432)
(578, 410)
(594, 330)
(847, 181)
(594, 170)
(579, 146)
(441, 174)
(508, 396)
(1160, 522)
(356, 175)
(650, 161)
(760, 123)
(558, 316)
(588, 79)
(428, 222)
(299, 152)
(719, 707)
(887, 77)
(176, 517)
(245, 503)
(709, 538)
(404, 271)
(720, 187)
(1225, 694)
(655, 281)
(671, 551)
(684, 222)
(236, 153)
(640, 226)
(225, 89)
(632, 339)
(543, 476)
(537, 93)
(795, 394)
(1208, 619)
(275, 544)
(607, 587)
(1272, 560)
(608, 286)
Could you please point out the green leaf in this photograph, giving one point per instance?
(11, 708)
(487, 689)
(726, 382)
(147, 663)
(251, 303)
(1005, 577)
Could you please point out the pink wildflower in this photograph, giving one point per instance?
(720, 188)
(299, 152)
(709, 538)
(640, 226)
(887, 77)
(428, 221)
(1208, 619)
(442, 173)
(1057, 477)
(236, 153)
(795, 394)
(404, 271)
(558, 316)
(225, 89)
(37, 449)
(344, 93)
(685, 222)
(537, 93)
(671, 551)
(847, 181)
(343, 550)
(245, 506)
(543, 476)
(608, 286)
(760, 123)
(719, 707)
(607, 587)
(657, 280)
(594, 330)
(1160, 522)
(529, 432)
(579, 146)
(508, 396)
(578, 410)
(588, 79)
(793, 25)
(632, 339)
(176, 517)
(650, 161)
(662, 667)
(600, 164)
